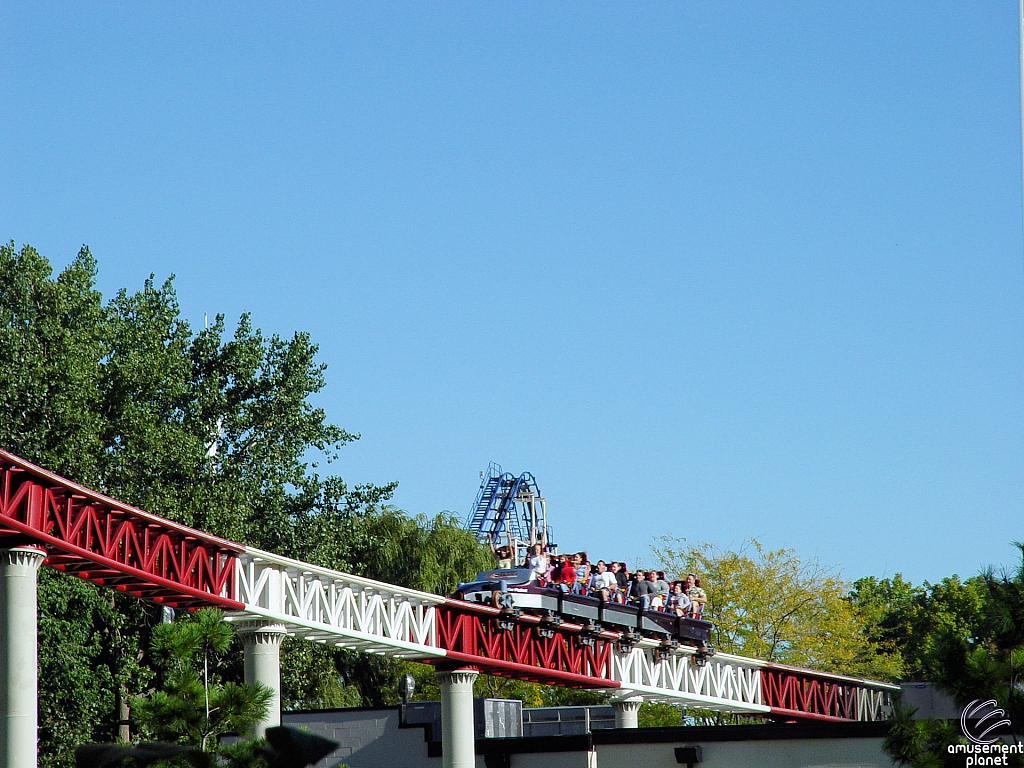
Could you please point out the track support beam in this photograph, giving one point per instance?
(458, 733)
(627, 712)
(262, 643)
(18, 672)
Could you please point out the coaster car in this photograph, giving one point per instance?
(513, 589)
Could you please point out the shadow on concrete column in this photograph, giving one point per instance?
(626, 712)
(18, 666)
(262, 643)
(458, 735)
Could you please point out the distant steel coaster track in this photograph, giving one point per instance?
(495, 513)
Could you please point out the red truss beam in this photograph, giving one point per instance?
(97, 538)
(792, 694)
(471, 635)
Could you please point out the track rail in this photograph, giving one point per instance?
(94, 537)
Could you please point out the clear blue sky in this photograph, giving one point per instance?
(706, 269)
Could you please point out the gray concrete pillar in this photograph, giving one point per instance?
(458, 734)
(626, 712)
(262, 644)
(18, 668)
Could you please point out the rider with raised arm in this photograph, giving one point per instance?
(538, 563)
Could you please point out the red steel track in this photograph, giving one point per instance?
(470, 634)
(94, 537)
(803, 694)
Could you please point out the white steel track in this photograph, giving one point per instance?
(328, 606)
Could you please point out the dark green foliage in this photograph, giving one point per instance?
(906, 620)
(91, 649)
(243, 753)
(145, 755)
(986, 664)
(975, 653)
(313, 677)
(51, 342)
(922, 743)
(69, 655)
(654, 714)
(195, 705)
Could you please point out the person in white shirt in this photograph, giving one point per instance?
(602, 581)
(538, 563)
(678, 601)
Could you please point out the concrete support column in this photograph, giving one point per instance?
(18, 668)
(626, 712)
(458, 734)
(262, 643)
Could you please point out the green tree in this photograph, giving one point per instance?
(195, 705)
(214, 429)
(904, 621)
(922, 743)
(656, 714)
(777, 606)
(986, 664)
(973, 648)
(52, 345)
(313, 678)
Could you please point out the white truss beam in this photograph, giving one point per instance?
(724, 683)
(328, 606)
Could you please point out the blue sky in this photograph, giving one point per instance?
(712, 270)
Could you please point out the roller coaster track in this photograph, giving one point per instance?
(99, 539)
(495, 509)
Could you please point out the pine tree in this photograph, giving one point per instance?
(194, 705)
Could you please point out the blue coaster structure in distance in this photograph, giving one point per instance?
(509, 510)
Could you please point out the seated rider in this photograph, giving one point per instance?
(554, 563)
(657, 602)
(646, 591)
(602, 582)
(698, 596)
(579, 560)
(678, 601)
(566, 575)
(621, 581)
(632, 595)
(663, 586)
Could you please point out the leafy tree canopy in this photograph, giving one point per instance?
(906, 620)
(775, 605)
(973, 649)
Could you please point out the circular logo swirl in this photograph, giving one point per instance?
(985, 718)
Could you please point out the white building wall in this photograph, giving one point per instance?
(579, 759)
(787, 753)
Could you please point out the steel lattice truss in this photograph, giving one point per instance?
(328, 606)
(97, 538)
(91, 536)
